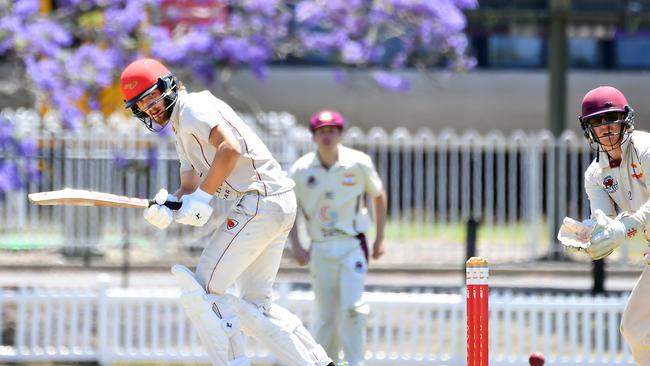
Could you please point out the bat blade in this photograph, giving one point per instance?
(81, 197)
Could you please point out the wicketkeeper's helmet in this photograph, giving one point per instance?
(140, 78)
(605, 99)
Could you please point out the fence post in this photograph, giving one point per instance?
(103, 357)
(472, 229)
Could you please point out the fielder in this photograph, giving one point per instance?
(616, 182)
(331, 185)
(220, 155)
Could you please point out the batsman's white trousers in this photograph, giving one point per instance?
(246, 251)
(338, 269)
(635, 325)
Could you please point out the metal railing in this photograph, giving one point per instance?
(110, 325)
(518, 186)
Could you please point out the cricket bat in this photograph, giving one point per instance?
(81, 197)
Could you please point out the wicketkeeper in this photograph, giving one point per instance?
(220, 155)
(618, 188)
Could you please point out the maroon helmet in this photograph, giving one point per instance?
(327, 117)
(602, 100)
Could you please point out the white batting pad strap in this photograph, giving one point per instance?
(282, 333)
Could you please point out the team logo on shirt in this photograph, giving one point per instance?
(349, 180)
(610, 184)
(311, 181)
(231, 223)
(636, 174)
(328, 216)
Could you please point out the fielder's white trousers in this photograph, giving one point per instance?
(338, 269)
(635, 325)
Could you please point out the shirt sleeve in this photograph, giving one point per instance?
(373, 184)
(201, 123)
(642, 215)
(598, 198)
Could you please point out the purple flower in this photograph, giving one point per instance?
(120, 161)
(9, 176)
(90, 65)
(152, 157)
(352, 52)
(27, 148)
(26, 8)
(32, 172)
(390, 81)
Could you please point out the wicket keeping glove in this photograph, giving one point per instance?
(610, 233)
(158, 215)
(196, 209)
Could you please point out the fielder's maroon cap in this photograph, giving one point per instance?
(327, 117)
(601, 100)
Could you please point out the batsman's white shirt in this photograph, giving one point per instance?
(194, 116)
(626, 186)
(330, 198)
(243, 254)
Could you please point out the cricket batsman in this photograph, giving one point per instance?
(221, 156)
(619, 191)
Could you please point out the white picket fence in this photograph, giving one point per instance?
(517, 185)
(110, 325)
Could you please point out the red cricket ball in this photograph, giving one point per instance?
(536, 359)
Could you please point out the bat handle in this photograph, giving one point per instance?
(172, 205)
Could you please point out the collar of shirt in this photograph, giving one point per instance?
(176, 110)
(604, 161)
(344, 159)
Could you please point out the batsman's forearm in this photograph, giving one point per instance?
(222, 165)
(380, 204)
(190, 180)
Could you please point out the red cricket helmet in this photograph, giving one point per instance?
(327, 117)
(140, 78)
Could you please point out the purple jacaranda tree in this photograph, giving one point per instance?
(73, 52)
(17, 158)
(387, 35)
(382, 35)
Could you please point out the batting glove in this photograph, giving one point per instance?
(610, 233)
(196, 209)
(158, 215)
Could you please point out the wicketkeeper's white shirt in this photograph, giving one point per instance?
(627, 185)
(194, 116)
(331, 198)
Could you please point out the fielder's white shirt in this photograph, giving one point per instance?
(194, 116)
(625, 186)
(331, 198)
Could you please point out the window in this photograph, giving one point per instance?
(632, 52)
(516, 52)
(584, 53)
